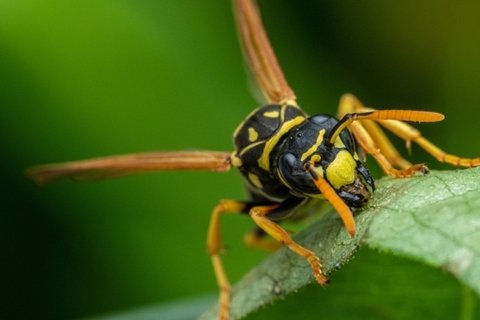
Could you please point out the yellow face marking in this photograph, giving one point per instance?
(271, 114)
(339, 143)
(315, 146)
(355, 156)
(315, 158)
(236, 161)
(264, 160)
(341, 171)
(252, 134)
(255, 180)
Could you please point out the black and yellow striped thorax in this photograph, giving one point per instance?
(256, 146)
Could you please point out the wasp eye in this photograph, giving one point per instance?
(294, 174)
(323, 119)
(289, 162)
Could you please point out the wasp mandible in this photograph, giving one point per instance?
(285, 156)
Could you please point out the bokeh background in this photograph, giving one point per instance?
(81, 79)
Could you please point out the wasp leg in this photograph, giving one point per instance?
(214, 248)
(350, 103)
(383, 153)
(409, 133)
(385, 145)
(260, 214)
(366, 142)
(256, 239)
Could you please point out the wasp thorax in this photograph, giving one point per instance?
(337, 162)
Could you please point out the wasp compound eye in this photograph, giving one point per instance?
(295, 175)
(323, 120)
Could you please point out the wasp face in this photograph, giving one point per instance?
(337, 162)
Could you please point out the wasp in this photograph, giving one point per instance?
(285, 156)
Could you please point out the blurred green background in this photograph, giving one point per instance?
(80, 79)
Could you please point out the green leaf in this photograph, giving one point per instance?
(376, 285)
(433, 219)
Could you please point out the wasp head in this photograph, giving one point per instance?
(309, 146)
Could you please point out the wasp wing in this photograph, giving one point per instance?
(114, 166)
(260, 55)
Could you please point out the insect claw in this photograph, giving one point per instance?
(425, 169)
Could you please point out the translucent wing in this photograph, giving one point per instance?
(260, 55)
(113, 166)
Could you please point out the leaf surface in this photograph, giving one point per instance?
(434, 219)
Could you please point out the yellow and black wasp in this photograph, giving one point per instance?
(285, 156)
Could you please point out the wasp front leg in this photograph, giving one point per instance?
(374, 142)
(256, 239)
(409, 133)
(367, 143)
(350, 103)
(260, 215)
(385, 145)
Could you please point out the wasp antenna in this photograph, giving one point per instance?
(342, 124)
(403, 115)
(331, 196)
